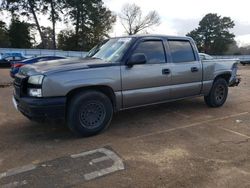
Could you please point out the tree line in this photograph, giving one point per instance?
(214, 36)
(91, 22)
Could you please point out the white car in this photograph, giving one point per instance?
(204, 56)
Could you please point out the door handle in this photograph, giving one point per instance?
(194, 69)
(166, 71)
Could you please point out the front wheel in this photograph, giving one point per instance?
(218, 94)
(89, 112)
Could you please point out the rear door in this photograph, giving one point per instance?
(186, 69)
(147, 83)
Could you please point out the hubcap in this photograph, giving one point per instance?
(220, 93)
(92, 114)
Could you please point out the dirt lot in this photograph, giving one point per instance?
(4, 76)
(180, 144)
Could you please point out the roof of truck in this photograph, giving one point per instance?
(155, 35)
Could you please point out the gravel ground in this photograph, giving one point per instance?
(179, 144)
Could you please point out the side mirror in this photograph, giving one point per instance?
(137, 59)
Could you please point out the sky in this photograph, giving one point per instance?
(178, 17)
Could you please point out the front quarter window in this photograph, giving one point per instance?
(111, 50)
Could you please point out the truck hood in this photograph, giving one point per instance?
(49, 67)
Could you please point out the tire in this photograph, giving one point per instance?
(218, 94)
(88, 113)
(243, 64)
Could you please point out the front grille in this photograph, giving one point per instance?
(18, 81)
(20, 86)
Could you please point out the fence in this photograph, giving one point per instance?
(40, 52)
(242, 58)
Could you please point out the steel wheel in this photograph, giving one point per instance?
(89, 112)
(92, 115)
(220, 93)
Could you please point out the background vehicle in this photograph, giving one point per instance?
(122, 73)
(245, 62)
(204, 56)
(15, 66)
(6, 59)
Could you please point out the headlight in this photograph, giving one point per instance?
(36, 80)
(35, 92)
(35, 86)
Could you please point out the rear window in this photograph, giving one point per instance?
(181, 51)
(153, 50)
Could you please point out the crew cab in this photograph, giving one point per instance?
(120, 73)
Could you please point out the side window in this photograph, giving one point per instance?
(9, 58)
(18, 58)
(181, 51)
(153, 50)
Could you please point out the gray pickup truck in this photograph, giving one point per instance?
(118, 74)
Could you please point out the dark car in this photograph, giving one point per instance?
(15, 66)
(6, 59)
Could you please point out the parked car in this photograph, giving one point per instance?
(245, 61)
(204, 56)
(125, 72)
(6, 59)
(15, 66)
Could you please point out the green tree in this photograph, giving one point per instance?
(54, 8)
(213, 35)
(4, 37)
(25, 8)
(92, 22)
(48, 36)
(19, 34)
(66, 40)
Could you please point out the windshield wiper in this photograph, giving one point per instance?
(91, 57)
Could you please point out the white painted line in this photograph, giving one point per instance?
(16, 171)
(188, 126)
(181, 114)
(100, 159)
(234, 132)
(109, 155)
(15, 184)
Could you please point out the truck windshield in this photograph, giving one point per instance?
(110, 50)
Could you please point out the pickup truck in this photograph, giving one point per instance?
(118, 74)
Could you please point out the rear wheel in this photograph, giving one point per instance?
(89, 113)
(218, 94)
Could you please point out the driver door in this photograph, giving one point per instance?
(147, 83)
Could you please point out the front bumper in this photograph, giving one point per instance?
(234, 81)
(41, 108)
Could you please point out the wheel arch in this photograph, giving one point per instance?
(224, 75)
(108, 91)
